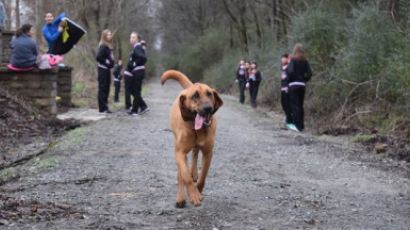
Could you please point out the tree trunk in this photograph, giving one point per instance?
(17, 14)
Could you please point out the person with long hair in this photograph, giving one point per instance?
(134, 75)
(24, 49)
(241, 80)
(254, 79)
(298, 73)
(105, 61)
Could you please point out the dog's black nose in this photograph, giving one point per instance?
(208, 109)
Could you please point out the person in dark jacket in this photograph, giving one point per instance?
(105, 61)
(24, 48)
(52, 29)
(241, 74)
(284, 95)
(254, 79)
(134, 75)
(299, 72)
(117, 80)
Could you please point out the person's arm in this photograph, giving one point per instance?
(138, 54)
(290, 71)
(101, 54)
(258, 76)
(57, 20)
(50, 37)
(308, 74)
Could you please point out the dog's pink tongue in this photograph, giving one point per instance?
(199, 121)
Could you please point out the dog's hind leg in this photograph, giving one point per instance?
(206, 163)
(194, 164)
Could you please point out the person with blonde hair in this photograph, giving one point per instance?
(298, 73)
(134, 75)
(105, 61)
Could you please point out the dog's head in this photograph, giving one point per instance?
(198, 103)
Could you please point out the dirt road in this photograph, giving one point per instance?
(120, 173)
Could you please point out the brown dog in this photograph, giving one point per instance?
(194, 129)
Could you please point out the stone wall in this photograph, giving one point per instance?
(64, 86)
(5, 49)
(39, 86)
(43, 87)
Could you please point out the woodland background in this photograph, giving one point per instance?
(358, 49)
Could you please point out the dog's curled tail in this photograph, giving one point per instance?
(178, 76)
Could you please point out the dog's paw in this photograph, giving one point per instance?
(195, 197)
(180, 204)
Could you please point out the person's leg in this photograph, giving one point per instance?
(117, 86)
(139, 79)
(284, 96)
(128, 90)
(101, 87)
(301, 101)
(134, 93)
(107, 83)
(242, 91)
(295, 105)
(252, 88)
(255, 93)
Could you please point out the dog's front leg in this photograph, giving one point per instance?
(193, 193)
(206, 163)
(194, 168)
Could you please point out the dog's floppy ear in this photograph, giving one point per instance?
(187, 115)
(218, 102)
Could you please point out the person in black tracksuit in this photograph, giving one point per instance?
(117, 80)
(241, 80)
(299, 72)
(284, 95)
(254, 79)
(134, 75)
(105, 61)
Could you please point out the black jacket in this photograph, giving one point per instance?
(298, 71)
(258, 76)
(137, 58)
(105, 57)
(117, 72)
(241, 73)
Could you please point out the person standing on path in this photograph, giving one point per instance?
(105, 61)
(299, 72)
(254, 80)
(284, 95)
(241, 80)
(117, 80)
(134, 75)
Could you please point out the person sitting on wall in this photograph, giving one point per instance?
(24, 49)
(52, 29)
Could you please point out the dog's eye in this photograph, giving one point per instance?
(209, 94)
(195, 96)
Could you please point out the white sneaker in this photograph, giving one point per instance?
(292, 127)
(144, 111)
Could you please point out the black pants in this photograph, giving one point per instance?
(117, 86)
(296, 98)
(242, 86)
(284, 99)
(104, 80)
(253, 92)
(134, 87)
(127, 92)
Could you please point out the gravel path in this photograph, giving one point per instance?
(120, 173)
